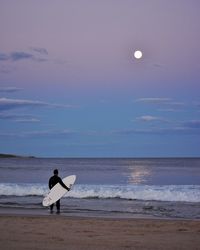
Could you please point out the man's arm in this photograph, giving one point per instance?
(63, 184)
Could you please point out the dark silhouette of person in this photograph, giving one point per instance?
(52, 182)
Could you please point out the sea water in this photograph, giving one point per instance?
(120, 187)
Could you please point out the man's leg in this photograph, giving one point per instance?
(58, 206)
(51, 208)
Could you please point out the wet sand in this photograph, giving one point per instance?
(53, 232)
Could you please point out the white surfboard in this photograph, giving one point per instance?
(58, 191)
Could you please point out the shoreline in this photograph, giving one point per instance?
(26, 231)
(45, 212)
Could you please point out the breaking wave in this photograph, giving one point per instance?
(185, 193)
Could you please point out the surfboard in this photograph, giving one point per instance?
(58, 191)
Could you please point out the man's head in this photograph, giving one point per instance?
(55, 171)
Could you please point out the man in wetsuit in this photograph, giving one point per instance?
(52, 182)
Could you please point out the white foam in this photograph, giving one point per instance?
(186, 193)
(9, 189)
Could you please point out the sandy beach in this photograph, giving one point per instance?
(62, 232)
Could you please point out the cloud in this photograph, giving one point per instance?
(9, 89)
(31, 120)
(50, 133)
(36, 55)
(154, 100)
(18, 117)
(7, 104)
(16, 56)
(4, 57)
(163, 104)
(169, 110)
(160, 101)
(41, 51)
(134, 131)
(176, 104)
(149, 118)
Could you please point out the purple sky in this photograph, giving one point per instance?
(70, 86)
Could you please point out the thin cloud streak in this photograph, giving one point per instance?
(150, 118)
(17, 117)
(154, 100)
(160, 101)
(9, 89)
(7, 104)
(32, 120)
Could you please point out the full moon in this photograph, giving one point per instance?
(138, 54)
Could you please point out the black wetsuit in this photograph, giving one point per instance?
(52, 182)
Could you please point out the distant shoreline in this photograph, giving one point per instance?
(14, 156)
(2, 155)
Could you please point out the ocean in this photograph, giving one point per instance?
(108, 187)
